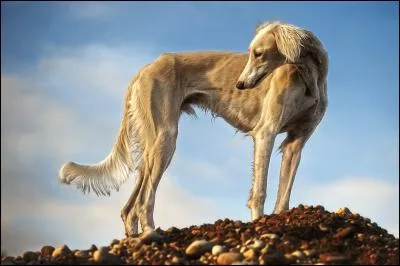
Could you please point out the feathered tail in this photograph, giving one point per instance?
(119, 164)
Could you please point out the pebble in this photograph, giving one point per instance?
(270, 236)
(258, 244)
(61, 251)
(298, 254)
(250, 254)
(228, 258)
(323, 227)
(173, 230)
(150, 237)
(30, 256)
(344, 232)
(242, 249)
(198, 248)
(82, 254)
(275, 258)
(333, 258)
(114, 242)
(46, 251)
(93, 247)
(178, 260)
(343, 211)
(103, 256)
(290, 259)
(265, 249)
(310, 252)
(218, 249)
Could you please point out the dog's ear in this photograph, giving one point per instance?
(260, 25)
(264, 24)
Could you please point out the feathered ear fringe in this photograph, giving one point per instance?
(265, 24)
(289, 38)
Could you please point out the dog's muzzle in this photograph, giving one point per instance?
(240, 85)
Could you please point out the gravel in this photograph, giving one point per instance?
(302, 235)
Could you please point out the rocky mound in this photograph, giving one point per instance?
(303, 235)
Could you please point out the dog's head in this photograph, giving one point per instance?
(273, 44)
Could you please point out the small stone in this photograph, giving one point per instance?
(290, 259)
(61, 251)
(30, 256)
(229, 257)
(298, 254)
(250, 254)
(218, 249)
(310, 252)
(242, 249)
(333, 258)
(344, 232)
(93, 247)
(82, 254)
(304, 245)
(134, 241)
(150, 237)
(198, 248)
(103, 256)
(343, 211)
(269, 236)
(275, 258)
(46, 251)
(178, 260)
(323, 227)
(173, 230)
(216, 241)
(258, 244)
(266, 249)
(114, 242)
(137, 255)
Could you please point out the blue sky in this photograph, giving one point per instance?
(64, 71)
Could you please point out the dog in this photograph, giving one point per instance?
(278, 86)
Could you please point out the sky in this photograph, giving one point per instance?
(65, 68)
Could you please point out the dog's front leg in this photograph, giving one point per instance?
(263, 144)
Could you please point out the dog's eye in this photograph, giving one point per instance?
(257, 54)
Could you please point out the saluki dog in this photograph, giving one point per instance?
(278, 86)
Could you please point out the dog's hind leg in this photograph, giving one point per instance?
(129, 218)
(157, 159)
(291, 148)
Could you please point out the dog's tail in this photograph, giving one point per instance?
(119, 164)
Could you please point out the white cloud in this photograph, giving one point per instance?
(94, 68)
(32, 122)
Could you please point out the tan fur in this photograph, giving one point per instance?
(289, 97)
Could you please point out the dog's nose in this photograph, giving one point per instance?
(240, 85)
